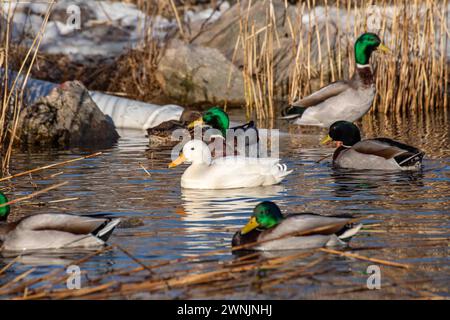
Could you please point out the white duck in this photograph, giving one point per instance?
(228, 172)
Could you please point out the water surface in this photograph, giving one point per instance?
(407, 213)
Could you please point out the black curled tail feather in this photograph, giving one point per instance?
(105, 230)
(248, 126)
(408, 159)
(291, 112)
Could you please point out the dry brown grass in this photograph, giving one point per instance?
(412, 79)
(12, 87)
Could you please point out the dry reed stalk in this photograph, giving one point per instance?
(18, 92)
(357, 256)
(177, 18)
(17, 278)
(50, 166)
(34, 194)
(51, 277)
(145, 170)
(9, 265)
(132, 257)
(258, 68)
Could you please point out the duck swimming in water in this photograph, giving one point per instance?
(227, 172)
(53, 231)
(276, 231)
(162, 133)
(375, 153)
(218, 119)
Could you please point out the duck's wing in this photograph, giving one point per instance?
(246, 126)
(308, 224)
(246, 139)
(386, 148)
(6, 228)
(297, 108)
(239, 171)
(73, 224)
(165, 127)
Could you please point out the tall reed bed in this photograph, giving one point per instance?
(413, 78)
(258, 48)
(12, 85)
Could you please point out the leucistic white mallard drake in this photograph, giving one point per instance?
(375, 154)
(276, 231)
(53, 231)
(218, 119)
(227, 172)
(341, 100)
(162, 133)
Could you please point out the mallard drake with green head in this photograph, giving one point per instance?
(53, 231)
(341, 100)
(218, 119)
(162, 133)
(375, 154)
(276, 231)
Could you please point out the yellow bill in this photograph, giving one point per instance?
(252, 224)
(195, 123)
(326, 140)
(383, 48)
(177, 161)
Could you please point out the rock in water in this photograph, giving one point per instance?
(66, 117)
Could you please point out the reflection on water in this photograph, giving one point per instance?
(203, 204)
(406, 213)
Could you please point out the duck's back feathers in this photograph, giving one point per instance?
(340, 100)
(325, 93)
(161, 134)
(235, 172)
(245, 129)
(55, 231)
(299, 107)
(301, 223)
(324, 231)
(63, 222)
(379, 153)
(384, 147)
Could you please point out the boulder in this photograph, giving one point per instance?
(193, 74)
(66, 117)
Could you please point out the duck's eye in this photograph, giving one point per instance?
(192, 148)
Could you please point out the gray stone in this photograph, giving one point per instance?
(66, 117)
(193, 74)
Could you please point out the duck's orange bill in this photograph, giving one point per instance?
(252, 224)
(383, 48)
(195, 123)
(177, 161)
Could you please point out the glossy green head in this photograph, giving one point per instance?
(365, 45)
(346, 132)
(266, 215)
(217, 118)
(4, 211)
